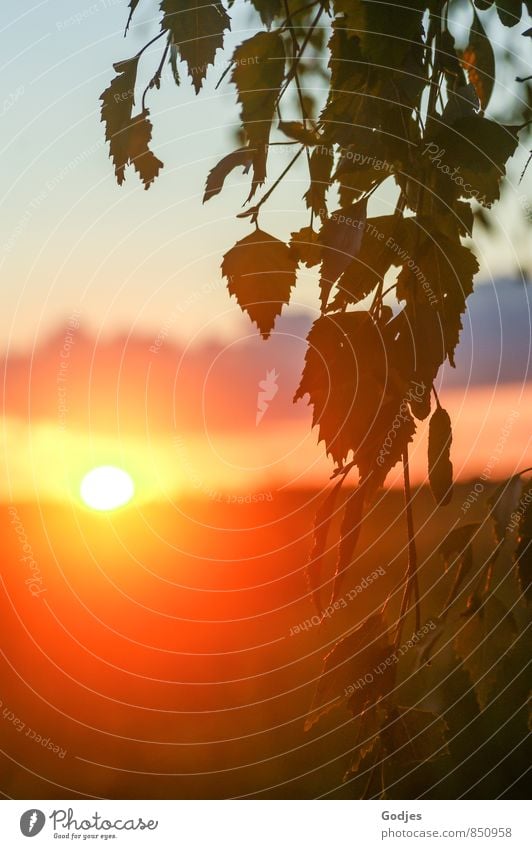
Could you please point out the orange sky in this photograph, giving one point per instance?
(184, 419)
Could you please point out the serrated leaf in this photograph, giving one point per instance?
(305, 246)
(482, 643)
(218, 174)
(128, 136)
(412, 736)
(132, 7)
(117, 105)
(267, 9)
(479, 61)
(421, 342)
(357, 655)
(340, 238)
(440, 466)
(352, 377)
(141, 157)
(258, 71)
(367, 736)
(321, 163)
(261, 272)
(197, 28)
(437, 274)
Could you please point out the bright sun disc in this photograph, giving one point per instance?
(106, 488)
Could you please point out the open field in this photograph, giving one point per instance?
(150, 655)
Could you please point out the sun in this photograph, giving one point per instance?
(106, 488)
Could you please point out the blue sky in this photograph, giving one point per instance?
(126, 259)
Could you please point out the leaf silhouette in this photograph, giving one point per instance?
(385, 31)
(305, 246)
(457, 541)
(440, 279)
(482, 642)
(132, 7)
(261, 271)
(142, 158)
(523, 550)
(349, 535)
(479, 61)
(375, 256)
(197, 29)
(217, 175)
(502, 503)
(412, 736)
(355, 656)
(479, 149)
(340, 237)
(462, 102)
(440, 466)
(267, 9)
(299, 132)
(366, 162)
(422, 348)
(321, 163)
(322, 524)
(351, 377)
(128, 136)
(117, 105)
(368, 735)
(258, 71)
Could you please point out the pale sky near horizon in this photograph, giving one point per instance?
(72, 239)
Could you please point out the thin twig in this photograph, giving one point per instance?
(253, 211)
(295, 49)
(306, 40)
(411, 578)
(285, 23)
(149, 44)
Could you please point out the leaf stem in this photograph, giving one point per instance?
(149, 44)
(411, 578)
(156, 79)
